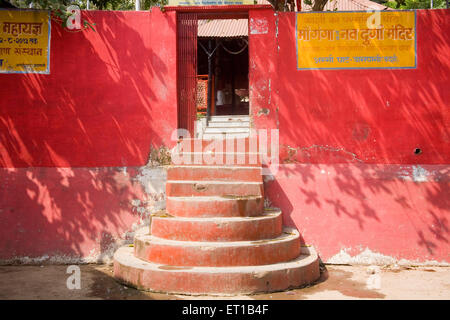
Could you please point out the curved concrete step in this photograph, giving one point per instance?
(218, 254)
(214, 173)
(266, 226)
(189, 188)
(218, 206)
(148, 276)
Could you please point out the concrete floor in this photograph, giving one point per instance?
(336, 282)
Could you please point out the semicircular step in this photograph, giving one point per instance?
(266, 226)
(215, 206)
(220, 253)
(301, 271)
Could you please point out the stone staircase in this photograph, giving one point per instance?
(229, 126)
(216, 237)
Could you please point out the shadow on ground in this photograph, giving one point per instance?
(336, 282)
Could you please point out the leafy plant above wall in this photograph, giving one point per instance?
(58, 9)
(289, 5)
(60, 13)
(283, 5)
(416, 4)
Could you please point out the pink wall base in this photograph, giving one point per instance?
(395, 211)
(66, 215)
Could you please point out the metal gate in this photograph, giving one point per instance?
(187, 70)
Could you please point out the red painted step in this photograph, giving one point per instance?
(216, 238)
(266, 226)
(148, 276)
(185, 188)
(218, 206)
(218, 254)
(208, 173)
(217, 159)
(228, 145)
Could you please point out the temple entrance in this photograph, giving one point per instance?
(222, 56)
(213, 74)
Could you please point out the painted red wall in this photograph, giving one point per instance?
(67, 215)
(70, 141)
(335, 116)
(110, 95)
(366, 212)
(348, 179)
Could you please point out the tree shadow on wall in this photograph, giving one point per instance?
(352, 117)
(71, 142)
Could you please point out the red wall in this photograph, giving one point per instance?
(110, 95)
(349, 179)
(67, 214)
(377, 116)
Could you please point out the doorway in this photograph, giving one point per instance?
(222, 55)
(212, 67)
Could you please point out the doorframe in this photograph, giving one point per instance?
(214, 12)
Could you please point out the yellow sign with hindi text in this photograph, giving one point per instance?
(356, 40)
(24, 41)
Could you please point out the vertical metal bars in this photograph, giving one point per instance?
(187, 70)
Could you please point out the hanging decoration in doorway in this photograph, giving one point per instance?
(24, 41)
(356, 40)
(236, 52)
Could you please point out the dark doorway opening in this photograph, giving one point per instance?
(225, 43)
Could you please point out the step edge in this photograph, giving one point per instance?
(264, 216)
(222, 244)
(214, 167)
(211, 198)
(220, 152)
(304, 259)
(214, 182)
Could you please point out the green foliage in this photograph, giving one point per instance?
(124, 4)
(283, 5)
(59, 7)
(112, 4)
(415, 4)
(200, 115)
(147, 4)
(316, 5)
(41, 4)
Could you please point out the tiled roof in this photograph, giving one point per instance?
(226, 28)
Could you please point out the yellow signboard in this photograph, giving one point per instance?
(209, 2)
(356, 40)
(24, 41)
